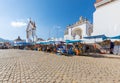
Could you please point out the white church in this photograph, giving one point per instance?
(80, 29)
(31, 32)
(106, 18)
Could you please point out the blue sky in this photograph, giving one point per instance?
(51, 16)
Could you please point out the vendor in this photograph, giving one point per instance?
(111, 47)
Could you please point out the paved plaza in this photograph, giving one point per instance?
(19, 66)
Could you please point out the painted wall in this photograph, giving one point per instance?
(106, 19)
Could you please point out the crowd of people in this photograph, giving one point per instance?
(75, 48)
(66, 49)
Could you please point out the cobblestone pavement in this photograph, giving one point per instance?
(17, 66)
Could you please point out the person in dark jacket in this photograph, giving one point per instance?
(111, 47)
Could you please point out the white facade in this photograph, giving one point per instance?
(80, 29)
(31, 32)
(106, 18)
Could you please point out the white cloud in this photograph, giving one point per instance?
(57, 27)
(18, 24)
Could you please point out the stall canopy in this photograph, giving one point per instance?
(115, 37)
(73, 41)
(46, 42)
(42, 42)
(22, 44)
(96, 37)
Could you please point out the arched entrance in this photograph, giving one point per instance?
(77, 33)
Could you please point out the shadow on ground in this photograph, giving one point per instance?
(101, 56)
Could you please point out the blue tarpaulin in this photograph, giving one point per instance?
(73, 41)
(115, 37)
(22, 44)
(42, 42)
(96, 36)
(46, 42)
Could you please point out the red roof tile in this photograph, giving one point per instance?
(98, 1)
